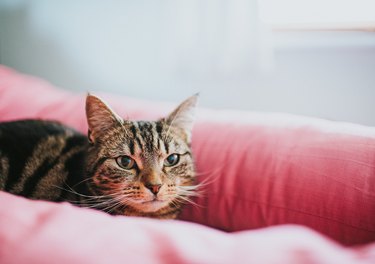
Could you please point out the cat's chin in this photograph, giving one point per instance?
(153, 206)
(150, 206)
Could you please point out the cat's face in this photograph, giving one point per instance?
(141, 168)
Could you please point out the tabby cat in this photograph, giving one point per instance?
(135, 168)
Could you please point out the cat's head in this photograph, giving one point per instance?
(141, 168)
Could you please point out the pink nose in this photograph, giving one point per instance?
(154, 188)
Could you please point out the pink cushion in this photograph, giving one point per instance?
(259, 169)
(41, 232)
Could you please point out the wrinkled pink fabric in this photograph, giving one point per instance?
(257, 170)
(42, 232)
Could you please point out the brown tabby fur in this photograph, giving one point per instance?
(46, 160)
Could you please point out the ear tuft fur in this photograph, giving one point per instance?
(100, 117)
(183, 116)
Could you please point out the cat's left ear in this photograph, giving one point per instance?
(100, 117)
(183, 116)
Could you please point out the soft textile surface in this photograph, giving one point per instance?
(41, 232)
(258, 170)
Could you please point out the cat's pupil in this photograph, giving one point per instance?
(125, 162)
(172, 160)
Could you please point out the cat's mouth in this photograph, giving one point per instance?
(151, 205)
(153, 201)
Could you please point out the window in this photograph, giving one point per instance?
(318, 14)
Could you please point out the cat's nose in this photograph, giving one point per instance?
(154, 188)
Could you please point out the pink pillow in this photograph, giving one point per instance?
(42, 232)
(258, 169)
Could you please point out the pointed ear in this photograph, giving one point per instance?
(183, 116)
(100, 117)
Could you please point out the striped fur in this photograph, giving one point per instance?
(38, 157)
(46, 160)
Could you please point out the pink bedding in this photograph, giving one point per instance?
(41, 232)
(260, 170)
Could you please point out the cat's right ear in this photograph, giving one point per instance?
(100, 117)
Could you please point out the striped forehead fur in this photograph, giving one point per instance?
(143, 137)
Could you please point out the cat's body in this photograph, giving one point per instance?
(38, 159)
(137, 168)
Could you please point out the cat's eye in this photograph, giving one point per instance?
(172, 160)
(126, 162)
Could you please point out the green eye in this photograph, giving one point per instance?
(125, 162)
(172, 160)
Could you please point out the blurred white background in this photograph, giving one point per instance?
(313, 58)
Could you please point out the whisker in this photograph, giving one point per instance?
(190, 193)
(71, 190)
(111, 206)
(95, 201)
(108, 204)
(210, 175)
(84, 180)
(188, 201)
(116, 203)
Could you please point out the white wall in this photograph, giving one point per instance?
(171, 49)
